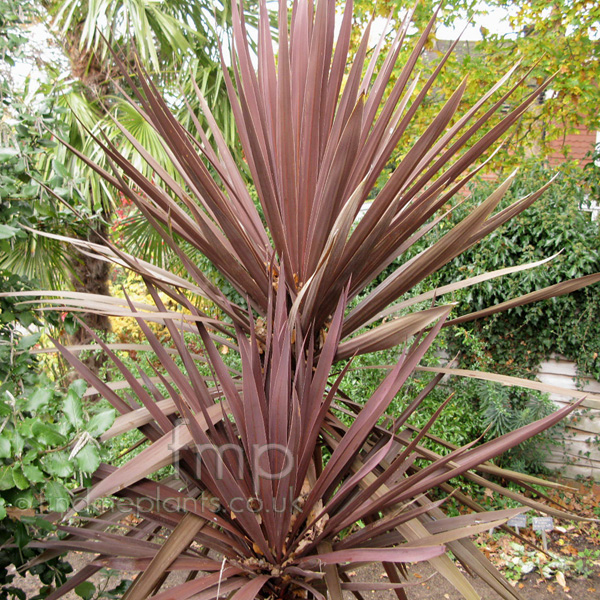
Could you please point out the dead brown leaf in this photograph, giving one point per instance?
(560, 578)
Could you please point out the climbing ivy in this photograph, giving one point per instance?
(518, 340)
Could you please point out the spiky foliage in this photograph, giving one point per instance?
(283, 484)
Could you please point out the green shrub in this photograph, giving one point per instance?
(48, 445)
(519, 339)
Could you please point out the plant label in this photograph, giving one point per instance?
(519, 521)
(542, 523)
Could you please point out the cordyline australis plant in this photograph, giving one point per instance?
(283, 484)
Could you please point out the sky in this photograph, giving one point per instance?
(496, 21)
(40, 46)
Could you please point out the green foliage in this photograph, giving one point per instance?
(47, 443)
(556, 39)
(25, 405)
(517, 340)
(585, 562)
(15, 367)
(32, 177)
(591, 176)
(87, 590)
(478, 409)
(43, 452)
(47, 446)
(52, 573)
(502, 410)
(171, 38)
(13, 14)
(563, 35)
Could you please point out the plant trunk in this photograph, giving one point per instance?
(91, 276)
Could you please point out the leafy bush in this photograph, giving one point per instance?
(515, 342)
(502, 411)
(519, 339)
(281, 482)
(47, 445)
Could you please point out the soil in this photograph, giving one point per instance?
(430, 585)
(569, 541)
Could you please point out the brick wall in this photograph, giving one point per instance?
(579, 144)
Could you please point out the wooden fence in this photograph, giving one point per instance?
(581, 454)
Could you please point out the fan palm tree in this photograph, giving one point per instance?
(178, 41)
